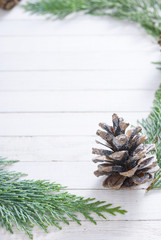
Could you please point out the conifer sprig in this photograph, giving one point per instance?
(152, 126)
(25, 203)
(146, 12)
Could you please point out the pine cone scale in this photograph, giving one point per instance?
(114, 181)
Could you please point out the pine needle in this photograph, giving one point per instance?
(26, 203)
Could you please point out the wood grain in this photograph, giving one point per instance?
(48, 149)
(76, 43)
(113, 230)
(27, 25)
(78, 60)
(81, 101)
(59, 124)
(80, 80)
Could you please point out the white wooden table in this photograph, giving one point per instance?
(58, 80)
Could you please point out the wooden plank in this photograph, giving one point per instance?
(81, 24)
(59, 124)
(77, 101)
(111, 60)
(75, 175)
(34, 44)
(136, 202)
(47, 149)
(114, 230)
(79, 80)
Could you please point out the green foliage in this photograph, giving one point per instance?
(152, 126)
(145, 12)
(25, 203)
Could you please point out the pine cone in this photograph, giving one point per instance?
(8, 4)
(125, 161)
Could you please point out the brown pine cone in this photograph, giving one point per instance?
(125, 159)
(8, 4)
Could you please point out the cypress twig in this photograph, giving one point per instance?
(146, 12)
(25, 203)
(152, 126)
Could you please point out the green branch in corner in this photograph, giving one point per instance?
(152, 126)
(25, 203)
(146, 12)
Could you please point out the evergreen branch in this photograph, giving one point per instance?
(146, 12)
(152, 126)
(25, 203)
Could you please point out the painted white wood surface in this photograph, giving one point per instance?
(24, 24)
(59, 124)
(72, 44)
(77, 101)
(81, 60)
(103, 230)
(73, 80)
(58, 80)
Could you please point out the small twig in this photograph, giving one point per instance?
(153, 183)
